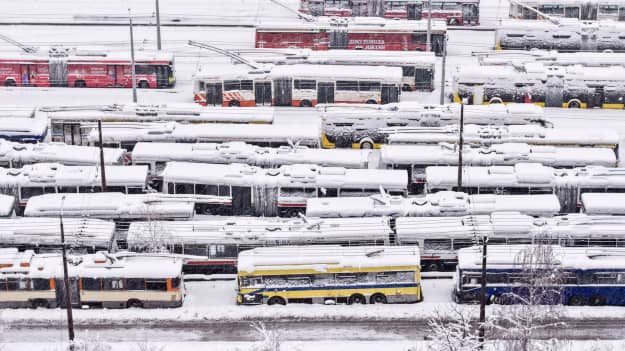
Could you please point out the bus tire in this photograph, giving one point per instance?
(433, 267)
(596, 300)
(276, 300)
(39, 303)
(80, 84)
(377, 298)
(134, 303)
(371, 102)
(366, 145)
(143, 84)
(574, 104)
(356, 299)
(234, 103)
(576, 301)
(406, 87)
(495, 100)
(10, 83)
(305, 103)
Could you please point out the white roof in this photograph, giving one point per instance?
(306, 133)
(240, 152)
(496, 154)
(260, 231)
(297, 175)
(79, 232)
(178, 112)
(22, 123)
(526, 175)
(54, 174)
(326, 258)
(603, 203)
(442, 203)
(510, 256)
(531, 134)
(57, 152)
(354, 25)
(343, 57)
(93, 55)
(7, 204)
(109, 205)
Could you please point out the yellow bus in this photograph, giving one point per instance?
(329, 274)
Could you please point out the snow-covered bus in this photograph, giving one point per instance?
(586, 276)
(519, 58)
(529, 178)
(548, 86)
(567, 35)
(279, 191)
(15, 155)
(581, 9)
(22, 124)
(127, 135)
(43, 234)
(329, 274)
(47, 178)
(442, 203)
(96, 280)
(455, 12)
(296, 85)
(603, 203)
(417, 67)
(369, 126)
(358, 33)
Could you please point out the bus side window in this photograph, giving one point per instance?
(232, 85)
(68, 189)
(91, 284)
(437, 244)
(135, 284)
(158, 285)
(247, 85)
(28, 192)
(408, 71)
(113, 284)
(206, 189)
(41, 284)
(135, 190)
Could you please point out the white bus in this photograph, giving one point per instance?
(280, 191)
(297, 85)
(15, 155)
(603, 203)
(442, 203)
(518, 58)
(22, 124)
(96, 280)
(580, 9)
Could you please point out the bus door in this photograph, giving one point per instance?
(597, 98)
(71, 134)
(214, 94)
(262, 93)
(57, 70)
(283, 91)
(325, 93)
(390, 93)
(339, 38)
(25, 76)
(60, 292)
(414, 11)
(554, 94)
(424, 79)
(242, 201)
(112, 75)
(162, 76)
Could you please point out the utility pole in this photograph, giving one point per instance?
(442, 98)
(68, 292)
(428, 42)
(132, 60)
(102, 170)
(483, 293)
(158, 27)
(460, 145)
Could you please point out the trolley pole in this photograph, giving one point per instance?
(428, 42)
(158, 27)
(132, 60)
(460, 145)
(102, 170)
(442, 97)
(483, 294)
(68, 292)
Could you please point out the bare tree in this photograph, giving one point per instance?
(148, 346)
(271, 339)
(452, 330)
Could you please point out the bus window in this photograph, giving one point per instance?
(460, 243)
(351, 85)
(247, 85)
(135, 190)
(144, 69)
(135, 284)
(224, 190)
(91, 284)
(27, 193)
(232, 85)
(323, 279)
(158, 285)
(113, 284)
(196, 250)
(350, 278)
(184, 188)
(170, 188)
(408, 71)
(369, 86)
(305, 84)
(117, 189)
(68, 189)
(206, 189)
(41, 284)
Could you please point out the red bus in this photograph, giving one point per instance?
(455, 12)
(358, 33)
(81, 70)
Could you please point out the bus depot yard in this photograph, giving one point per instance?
(305, 174)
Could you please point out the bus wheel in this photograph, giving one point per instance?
(406, 87)
(378, 298)
(276, 300)
(356, 299)
(596, 301)
(576, 301)
(574, 104)
(9, 83)
(433, 267)
(371, 102)
(367, 145)
(80, 84)
(134, 304)
(305, 103)
(39, 303)
(234, 103)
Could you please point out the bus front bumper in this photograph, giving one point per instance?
(249, 299)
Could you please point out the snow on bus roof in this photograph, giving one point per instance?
(488, 134)
(7, 204)
(442, 203)
(510, 257)
(326, 258)
(57, 152)
(51, 174)
(526, 175)
(108, 205)
(79, 232)
(260, 231)
(240, 152)
(354, 24)
(496, 154)
(297, 175)
(339, 57)
(603, 203)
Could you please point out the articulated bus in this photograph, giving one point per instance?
(587, 276)
(455, 12)
(96, 280)
(297, 85)
(580, 9)
(329, 274)
(550, 86)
